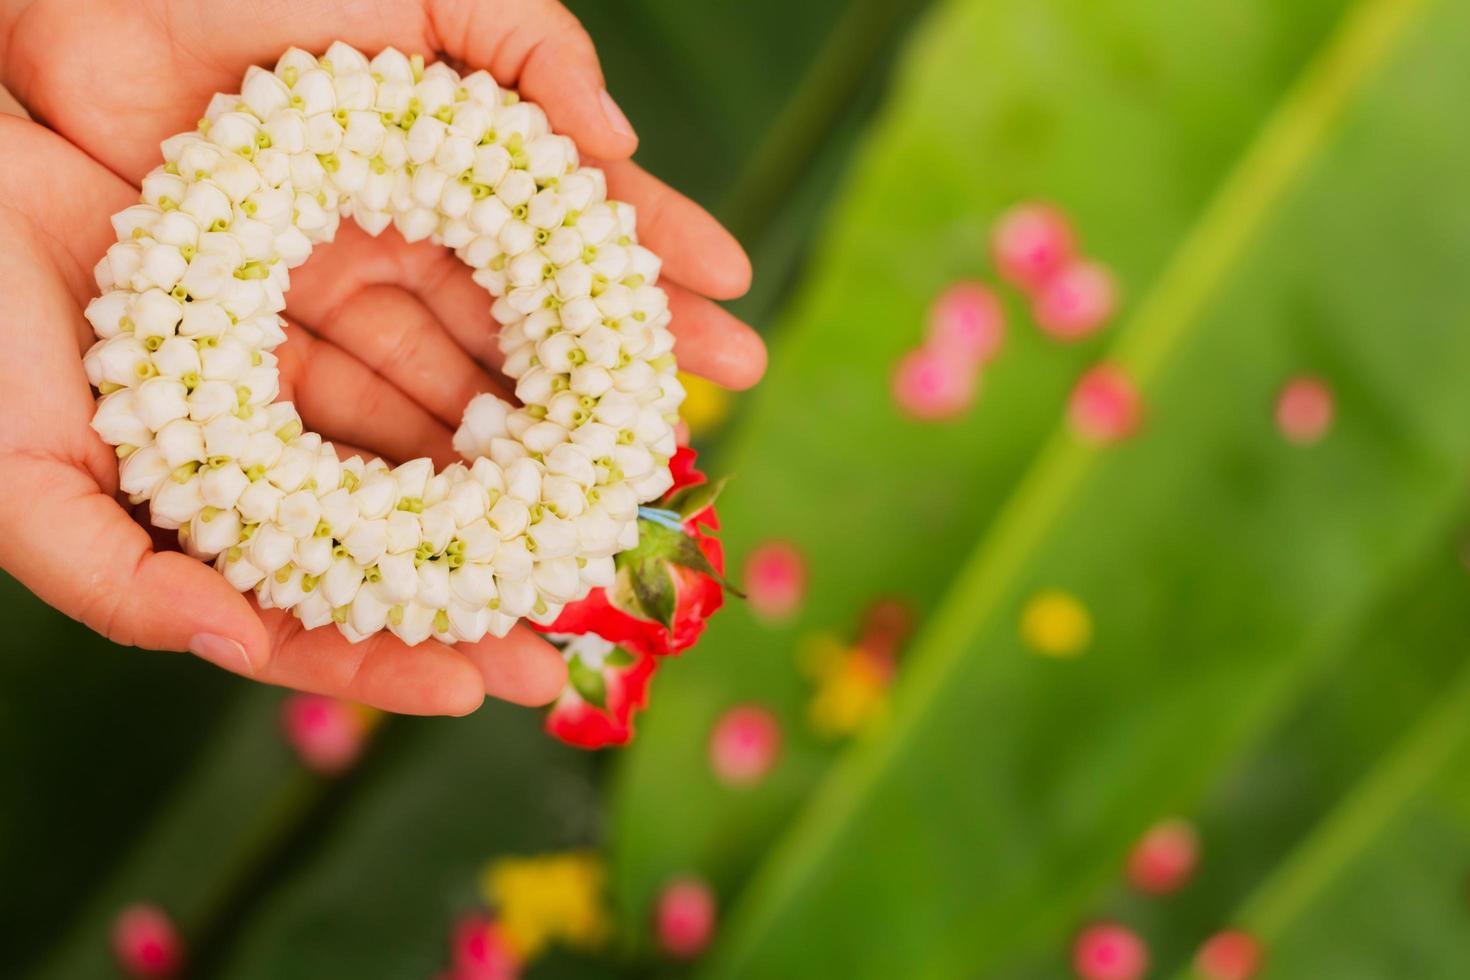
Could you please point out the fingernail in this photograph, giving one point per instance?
(615, 117)
(222, 652)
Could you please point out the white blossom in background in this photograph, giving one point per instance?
(190, 311)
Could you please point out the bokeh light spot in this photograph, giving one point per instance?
(1304, 410)
(744, 744)
(706, 405)
(966, 321)
(1030, 243)
(1229, 955)
(1108, 951)
(932, 385)
(1105, 406)
(1164, 858)
(1056, 624)
(775, 580)
(684, 919)
(1076, 301)
(146, 943)
(327, 734)
(481, 952)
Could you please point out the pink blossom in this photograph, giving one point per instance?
(326, 733)
(1076, 301)
(1108, 951)
(966, 320)
(146, 943)
(1229, 955)
(685, 917)
(1030, 243)
(775, 580)
(481, 952)
(1164, 858)
(1304, 410)
(744, 744)
(1105, 406)
(932, 384)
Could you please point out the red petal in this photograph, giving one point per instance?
(579, 723)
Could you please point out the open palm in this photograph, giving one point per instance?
(388, 340)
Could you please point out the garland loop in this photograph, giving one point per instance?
(190, 311)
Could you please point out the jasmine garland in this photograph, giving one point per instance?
(190, 312)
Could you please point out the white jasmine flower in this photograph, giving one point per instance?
(413, 624)
(512, 560)
(468, 624)
(180, 441)
(315, 91)
(558, 580)
(222, 486)
(213, 530)
(480, 541)
(118, 421)
(161, 401)
(242, 574)
(291, 469)
(140, 474)
(120, 360)
(106, 312)
(263, 92)
(299, 513)
(259, 501)
(433, 588)
(313, 555)
(397, 578)
(175, 502)
(271, 547)
(403, 531)
(515, 188)
(314, 610)
(155, 314)
(341, 581)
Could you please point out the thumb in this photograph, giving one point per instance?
(79, 551)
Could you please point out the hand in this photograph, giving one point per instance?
(387, 343)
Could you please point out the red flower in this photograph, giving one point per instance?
(580, 721)
(667, 587)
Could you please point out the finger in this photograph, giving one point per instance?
(394, 334)
(712, 343)
(540, 48)
(78, 550)
(427, 679)
(355, 261)
(522, 668)
(696, 249)
(342, 399)
(60, 187)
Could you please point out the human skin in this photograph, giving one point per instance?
(387, 341)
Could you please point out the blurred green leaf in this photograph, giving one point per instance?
(997, 102)
(693, 500)
(380, 888)
(1346, 719)
(588, 682)
(92, 743)
(229, 816)
(1223, 567)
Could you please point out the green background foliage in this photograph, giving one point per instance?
(1279, 630)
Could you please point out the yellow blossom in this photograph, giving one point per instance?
(548, 898)
(705, 406)
(1056, 624)
(851, 695)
